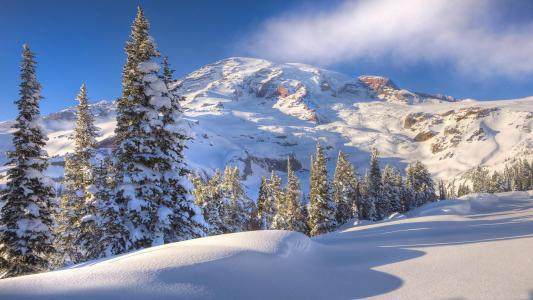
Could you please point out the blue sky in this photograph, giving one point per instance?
(82, 41)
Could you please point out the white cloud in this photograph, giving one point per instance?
(463, 33)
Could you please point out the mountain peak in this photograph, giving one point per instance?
(377, 83)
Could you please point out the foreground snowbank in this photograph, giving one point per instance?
(478, 247)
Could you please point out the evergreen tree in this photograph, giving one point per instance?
(85, 135)
(281, 211)
(26, 235)
(149, 153)
(263, 205)
(239, 207)
(480, 180)
(109, 218)
(392, 189)
(463, 189)
(292, 215)
(524, 174)
(274, 200)
(497, 183)
(345, 194)
(405, 194)
(322, 209)
(168, 73)
(442, 190)
(209, 197)
(420, 183)
(68, 219)
(508, 178)
(77, 228)
(451, 192)
(375, 206)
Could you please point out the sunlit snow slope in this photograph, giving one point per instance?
(254, 113)
(476, 247)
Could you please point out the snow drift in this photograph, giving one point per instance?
(476, 247)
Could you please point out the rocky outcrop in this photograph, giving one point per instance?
(424, 136)
(384, 89)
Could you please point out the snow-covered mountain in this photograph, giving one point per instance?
(254, 113)
(476, 247)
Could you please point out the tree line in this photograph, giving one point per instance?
(332, 202)
(517, 175)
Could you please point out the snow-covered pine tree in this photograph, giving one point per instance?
(77, 227)
(110, 223)
(168, 73)
(26, 236)
(463, 189)
(275, 197)
(263, 206)
(345, 194)
(375, 206)
(149, 154)
(405, 193)
(442, 190)
(480, 179)
(392, 189)
(293, 215)
(497, 183)
(208, 195)
(239, 206)
(67, 229)
(419, 181)
(524, 174)
(281, 211)
(451, 191)
(322, 208)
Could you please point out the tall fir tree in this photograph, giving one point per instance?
(345, 193)
(322, 208)
(392, 189)
(480, 179)
(168, 73)
(110, 223)
(77, 221)
(26, 236)
(265, 205)
(149, 155)
(420, 183)
(238, 206)
(274, 199)
(497, 183)
(209, 197)
(290, 214)
(463, 189)
(442, 190)
(373, 205)
(68, 218)
(405, 193)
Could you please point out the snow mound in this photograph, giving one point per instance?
(475, 247)
(271, 242)
(469, 204)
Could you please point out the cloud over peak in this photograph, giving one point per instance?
(464, 33)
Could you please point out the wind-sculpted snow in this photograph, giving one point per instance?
(254, 114)
(475, 247)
